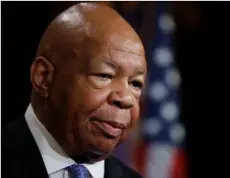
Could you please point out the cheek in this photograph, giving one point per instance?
(85, 99)
(135, 111)
(135, 114)
(82, 103)
(93, 99)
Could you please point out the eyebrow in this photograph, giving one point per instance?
(113, 65)
(140, 71)
(110, 63)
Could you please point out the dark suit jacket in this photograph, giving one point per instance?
(21, 157)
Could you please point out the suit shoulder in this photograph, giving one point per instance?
(10, 128)
(11, 132)
(126, 169)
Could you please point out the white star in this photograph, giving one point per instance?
(177, 133)
(166, 23)
(158, 91)
(172, 78)
(169, 111)
(162, 56)
(151, 126)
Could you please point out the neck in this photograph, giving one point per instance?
(38, 105)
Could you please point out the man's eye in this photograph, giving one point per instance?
(137, 84)
(105, 76)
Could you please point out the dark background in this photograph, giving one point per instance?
(203, 52)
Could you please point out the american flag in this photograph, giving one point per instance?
(157, 146)
(160, 153)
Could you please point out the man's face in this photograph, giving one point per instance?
(101, 103)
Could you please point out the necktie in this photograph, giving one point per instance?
(78, 171)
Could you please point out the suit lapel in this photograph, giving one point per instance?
(32, 160)
(112, 169)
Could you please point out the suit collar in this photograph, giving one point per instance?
(112, 168)
(54, 157)
(31, 158)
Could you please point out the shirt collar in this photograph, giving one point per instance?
(54, 157)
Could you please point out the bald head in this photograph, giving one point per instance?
(84, 25)
(87, 80)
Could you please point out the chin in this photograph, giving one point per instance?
(94, 145)
(92, 154)
(104, 147)
(95, 157)
(99, 149)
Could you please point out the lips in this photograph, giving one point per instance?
(111, 129)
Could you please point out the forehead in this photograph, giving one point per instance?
(127, 44)
(124, 50)
(121, 59)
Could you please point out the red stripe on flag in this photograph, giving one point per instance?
(179, 169)
(139, 157)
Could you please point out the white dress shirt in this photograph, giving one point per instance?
(54, 157)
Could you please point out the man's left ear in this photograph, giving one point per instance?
(41, 75)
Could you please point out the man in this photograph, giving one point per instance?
(87, 78)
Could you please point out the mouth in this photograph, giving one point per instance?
(110, 129)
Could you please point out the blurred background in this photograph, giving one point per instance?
(183, 132)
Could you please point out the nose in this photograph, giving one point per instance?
(122, 99)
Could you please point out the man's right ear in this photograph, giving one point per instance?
(41, 75)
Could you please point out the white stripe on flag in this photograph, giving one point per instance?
(159, 161)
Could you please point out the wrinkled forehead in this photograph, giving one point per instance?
(113, 42)
(126, 44)
(125, 53)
